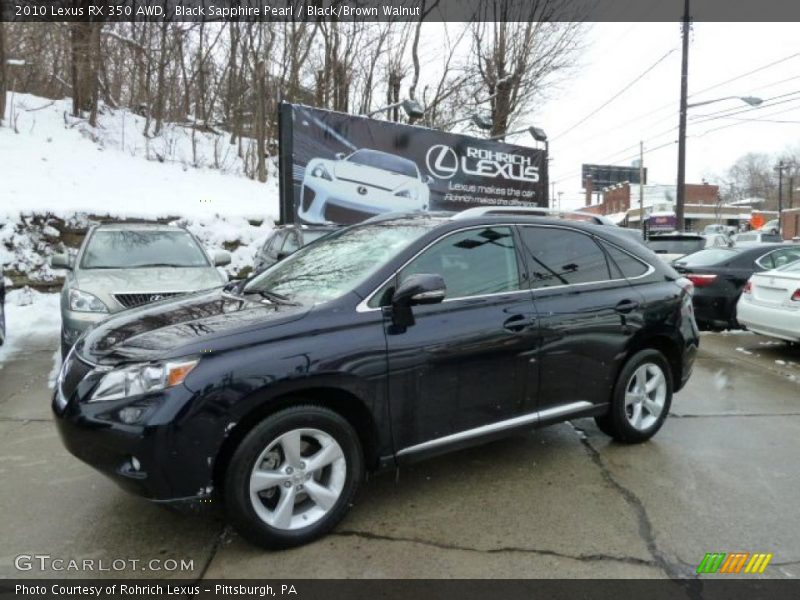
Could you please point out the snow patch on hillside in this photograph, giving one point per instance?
(57, 164)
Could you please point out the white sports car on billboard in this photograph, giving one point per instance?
(363, 184)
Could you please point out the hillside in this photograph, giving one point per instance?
(59, 174)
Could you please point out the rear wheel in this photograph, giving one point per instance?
(641, 400)
(293, 477)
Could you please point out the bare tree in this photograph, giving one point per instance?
(3, 84)
(517, 46)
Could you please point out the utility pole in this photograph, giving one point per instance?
(680, 198)
(641, 186)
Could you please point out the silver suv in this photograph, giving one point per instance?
(122, 265)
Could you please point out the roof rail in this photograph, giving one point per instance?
(536, 211)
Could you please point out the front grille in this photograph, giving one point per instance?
(134, 300)
(345, 216)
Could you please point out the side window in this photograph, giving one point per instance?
(629, 266)
(291, 244)
(766, 262)
(473, 263)
(563, 257)
(269, 245)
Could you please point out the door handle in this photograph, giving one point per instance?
(518, 323)
(626, 306)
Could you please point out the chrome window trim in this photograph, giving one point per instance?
(527, 419)
(363, 307)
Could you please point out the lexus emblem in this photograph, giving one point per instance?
(442, 161)
(156, 297)
(362, 190)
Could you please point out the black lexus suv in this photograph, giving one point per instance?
(387, 342)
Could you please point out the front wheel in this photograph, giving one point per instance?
(293, 477)
(641, 400)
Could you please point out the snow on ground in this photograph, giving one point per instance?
(29, 315)
(53, 164)
(60, 165)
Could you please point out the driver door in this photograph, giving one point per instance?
(466, 362)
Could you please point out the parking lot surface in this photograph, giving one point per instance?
(563, 502)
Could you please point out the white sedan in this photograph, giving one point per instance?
(770, 303)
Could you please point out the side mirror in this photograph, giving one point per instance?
(222, 258)
(417, 289)
(60, 261)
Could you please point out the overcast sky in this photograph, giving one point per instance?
(618, 53)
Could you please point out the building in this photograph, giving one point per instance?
(703, 205)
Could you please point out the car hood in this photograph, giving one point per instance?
(190, 324)
(371, 175)
(158, 279)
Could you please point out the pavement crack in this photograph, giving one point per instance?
(631, 560)
(220, 539)
(721, 415)
(675, 571)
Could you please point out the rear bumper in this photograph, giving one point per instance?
(714, 310)
(771, 321)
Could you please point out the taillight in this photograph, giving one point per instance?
(748, 288)
(796, 295)
(701, 280)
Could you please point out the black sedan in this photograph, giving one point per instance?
(719, 274)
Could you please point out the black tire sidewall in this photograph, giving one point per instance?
(620, 427)
(237, 479)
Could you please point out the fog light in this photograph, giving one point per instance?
(135, 464)
(131, 414)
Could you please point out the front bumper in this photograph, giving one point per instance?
(160, 458)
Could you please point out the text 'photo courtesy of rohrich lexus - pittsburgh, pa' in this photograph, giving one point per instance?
(371, 348)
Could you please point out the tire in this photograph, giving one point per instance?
(277, 458)
(642, 369)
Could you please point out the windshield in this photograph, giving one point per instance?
(676, 245)
(711, 256)
(334, 266)
(137, 248)
(382, 160)
(313, 235)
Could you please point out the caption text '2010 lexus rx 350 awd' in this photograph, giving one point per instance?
(384, 343)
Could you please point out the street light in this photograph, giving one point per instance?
(751, 100)
(412, 108)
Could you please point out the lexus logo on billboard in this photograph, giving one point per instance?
(442, 161)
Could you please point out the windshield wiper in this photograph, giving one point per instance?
(154, 265)
(274, 297)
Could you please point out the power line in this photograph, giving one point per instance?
(615, 96)
(756, 70)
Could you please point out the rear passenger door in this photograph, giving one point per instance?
(587, 311)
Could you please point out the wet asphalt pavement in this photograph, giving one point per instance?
(564, 502)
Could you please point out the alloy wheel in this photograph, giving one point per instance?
(297, 479)
(645, 395)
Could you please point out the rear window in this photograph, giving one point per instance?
(703, 258)
(676, 245)
(627, 264)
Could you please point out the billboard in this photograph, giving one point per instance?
(341, 168)
(607, 175)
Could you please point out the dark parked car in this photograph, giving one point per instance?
(719, 275)
(385, 343)
(286, 239)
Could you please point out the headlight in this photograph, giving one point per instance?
(84, 302)
(407, 193)
(321, 172)
(133, 380)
